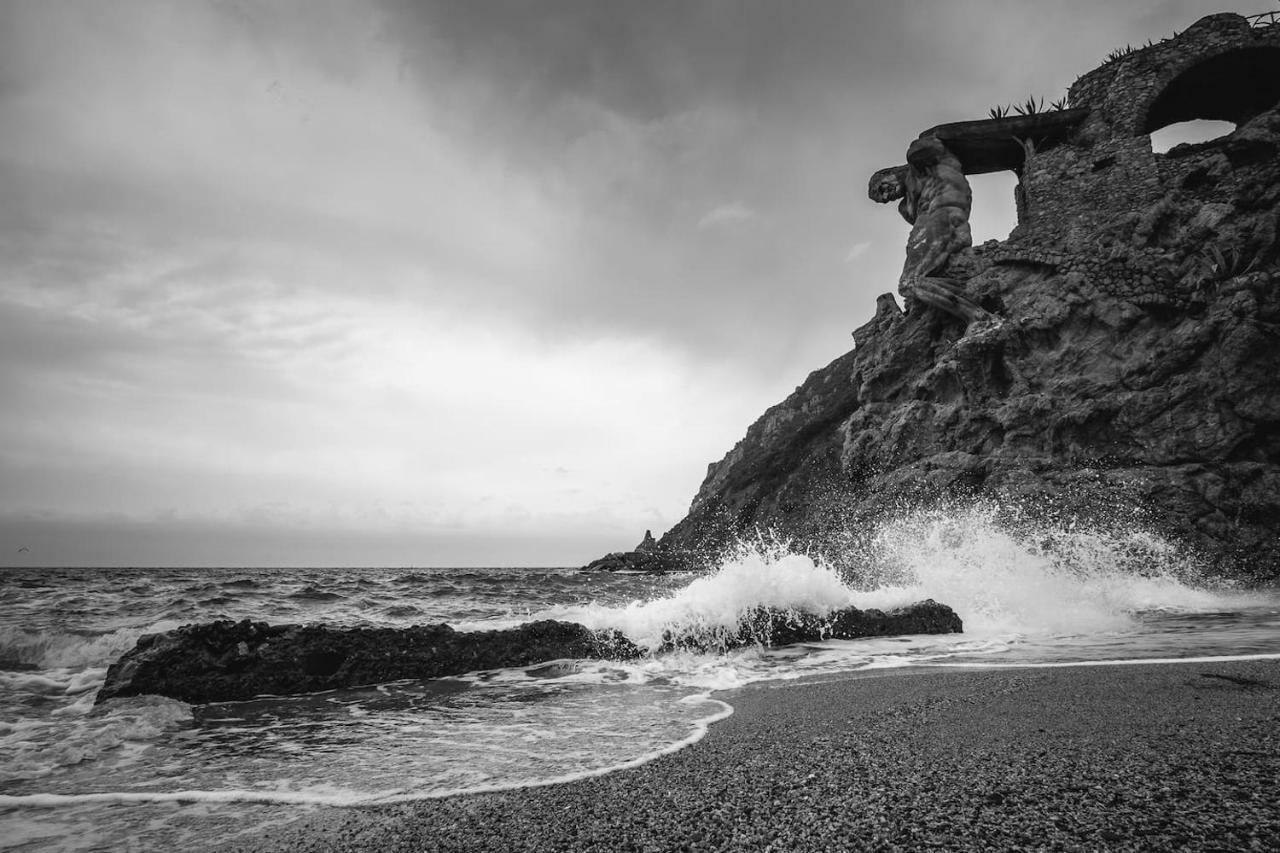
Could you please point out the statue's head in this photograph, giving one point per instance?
(887, 185)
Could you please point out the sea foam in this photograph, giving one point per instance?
(1011, 579)
(1005, 573)
(53, 649)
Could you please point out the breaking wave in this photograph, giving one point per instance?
(1018, 575)
(1006, 577)
(22, 648)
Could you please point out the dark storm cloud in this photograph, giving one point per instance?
(645, 119)
(648, 60)
(650, 118)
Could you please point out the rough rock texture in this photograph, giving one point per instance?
(648, 543)
(227, 661)
(647, 557)
(649, 562)
(1137, 364)
(771, 627)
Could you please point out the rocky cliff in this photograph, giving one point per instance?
(1134, 359)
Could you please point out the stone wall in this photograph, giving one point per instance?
(1069, 190)
(1121, 92)
(1220, 67)
(1081, 167)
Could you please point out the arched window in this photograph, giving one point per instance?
(1231, 87)
(1189, 132)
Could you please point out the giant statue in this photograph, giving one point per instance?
(935, 199)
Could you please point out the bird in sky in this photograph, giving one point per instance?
(23, 548)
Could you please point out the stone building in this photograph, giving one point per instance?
(1081, 166)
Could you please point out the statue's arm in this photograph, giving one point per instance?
(907, 208)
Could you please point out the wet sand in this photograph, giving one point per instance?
(1142, 757)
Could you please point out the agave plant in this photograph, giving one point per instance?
(999, 111)
(1030, 107)
(1120, 53)
(1224, 265)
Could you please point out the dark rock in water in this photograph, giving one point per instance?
(649, 562)
(648, 557)
(772, 627)
(1126, 352)
(227, 661)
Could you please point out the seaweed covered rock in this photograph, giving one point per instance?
(225, 661)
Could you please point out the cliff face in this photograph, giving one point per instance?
(1136, 358)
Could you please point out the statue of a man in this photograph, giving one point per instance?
(935, 199)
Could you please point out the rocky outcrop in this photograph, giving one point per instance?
(228, 661)
(646, 558)
(645, 562)
(771, 627)
(648, 543)
(1135, 365)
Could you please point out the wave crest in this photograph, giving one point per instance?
(51, 649)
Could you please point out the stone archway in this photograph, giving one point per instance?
(1234, 86)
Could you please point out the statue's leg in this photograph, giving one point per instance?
(946, 295)
(933, 240)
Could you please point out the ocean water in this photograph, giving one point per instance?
(149, 773)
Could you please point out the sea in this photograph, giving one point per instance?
(150, 773)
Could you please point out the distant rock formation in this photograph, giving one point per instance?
(647, 557)
(229, 661)
(1137, 361)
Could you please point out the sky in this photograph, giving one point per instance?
(452, 283)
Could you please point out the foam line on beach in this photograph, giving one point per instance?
(351, 799)
(700, 730)
(235, 796)
(1118, 662)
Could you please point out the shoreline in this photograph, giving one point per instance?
(1128, 756)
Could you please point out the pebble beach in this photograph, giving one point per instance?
(1168, 756)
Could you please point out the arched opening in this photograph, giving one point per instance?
(994, 212)
(1232, 87)
(1189, 133)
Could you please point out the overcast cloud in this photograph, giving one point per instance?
(450, 283)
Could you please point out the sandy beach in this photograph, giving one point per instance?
(1120, 757)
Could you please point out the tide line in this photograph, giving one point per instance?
(1117, 662)
(700, 728)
